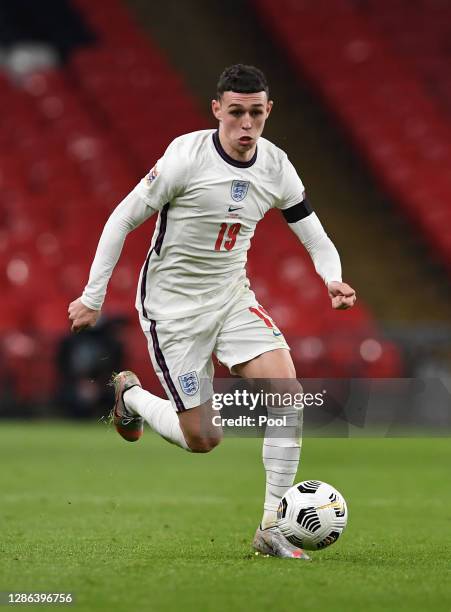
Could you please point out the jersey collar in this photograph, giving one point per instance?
(230, 160)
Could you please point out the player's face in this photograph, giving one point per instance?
(241, 119)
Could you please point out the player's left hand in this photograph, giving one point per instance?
(342, 295)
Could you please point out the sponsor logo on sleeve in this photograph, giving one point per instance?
(152, 175)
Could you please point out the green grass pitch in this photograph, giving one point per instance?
(147, 526)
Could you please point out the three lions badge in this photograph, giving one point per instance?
(189, 383)
(239, 190)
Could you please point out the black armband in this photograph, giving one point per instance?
(298, 211)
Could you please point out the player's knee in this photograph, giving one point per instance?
(203, 444)
(285, 387)
(290, 371)
(293, 386)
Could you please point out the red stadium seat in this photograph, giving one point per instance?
(78, 141)
(384, 75)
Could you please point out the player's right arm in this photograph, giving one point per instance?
(128, 215)
(160, 186)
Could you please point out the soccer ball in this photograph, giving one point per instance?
(312, 515)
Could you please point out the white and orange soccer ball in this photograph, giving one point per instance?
(312, 515)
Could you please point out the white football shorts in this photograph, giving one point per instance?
(181, 349)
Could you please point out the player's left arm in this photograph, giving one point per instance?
(307, 227)
(304, 222)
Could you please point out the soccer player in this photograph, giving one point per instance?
(210, 190)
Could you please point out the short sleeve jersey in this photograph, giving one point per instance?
(209, 205)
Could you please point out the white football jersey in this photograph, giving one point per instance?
(209, 205)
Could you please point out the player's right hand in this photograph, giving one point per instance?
(81, 316)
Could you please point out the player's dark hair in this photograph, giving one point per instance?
(242, 79)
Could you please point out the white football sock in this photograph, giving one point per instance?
(281, 452)
(158, 413)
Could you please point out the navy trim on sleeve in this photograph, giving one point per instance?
(297, 212)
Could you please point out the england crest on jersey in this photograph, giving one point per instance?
(239, 190)
(189, 383)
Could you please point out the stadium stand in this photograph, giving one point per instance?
(383, 70)
(79, 135)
